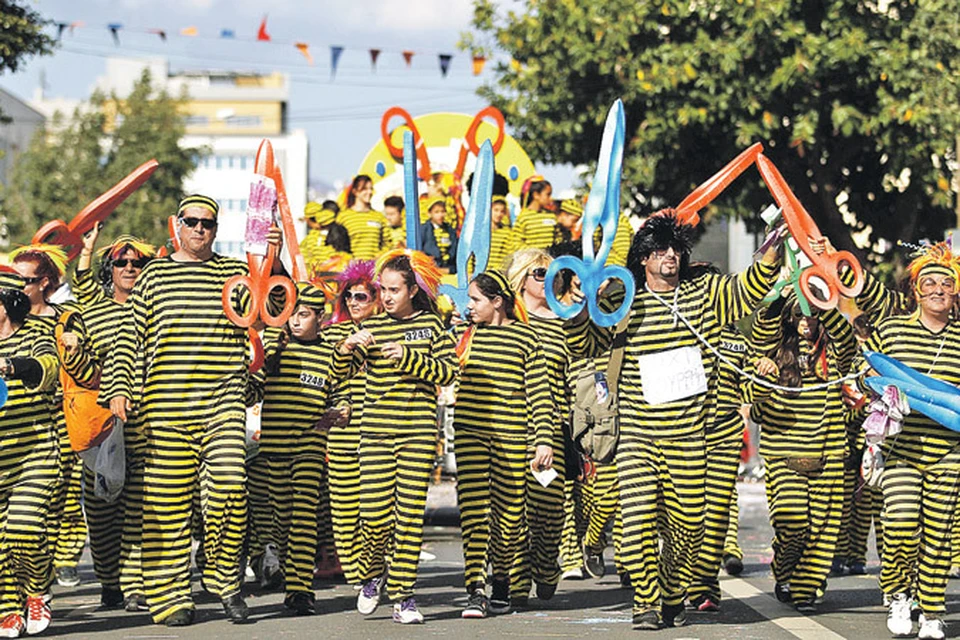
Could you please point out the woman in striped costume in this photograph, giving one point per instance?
(359, 299)
(803, 442)
(503, 372)
(501, 232)
(114, 526)
(407, 354)
(536, 223)
(368, 228)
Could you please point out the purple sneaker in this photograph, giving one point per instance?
(406, 612)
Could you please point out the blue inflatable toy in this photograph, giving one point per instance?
(936, 399)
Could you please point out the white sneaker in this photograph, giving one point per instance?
(12, 626)
(899, 622)
(406, 612)
(38, 615)
(932, 629)
(572, 574)
(270, 573)
(369, 597)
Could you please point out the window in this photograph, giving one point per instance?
(243, 121)
(197, 121)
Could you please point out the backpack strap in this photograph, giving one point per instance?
(619, 347)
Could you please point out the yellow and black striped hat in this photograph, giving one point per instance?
(571, 207)
(197, 200)
(10, 279)
(311, 296)
(316, 212)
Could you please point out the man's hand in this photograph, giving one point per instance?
(70, 342)
(542, 458)
(362, 338)
(335, 417)
(120, 406)
(767, 368)
(392, 351)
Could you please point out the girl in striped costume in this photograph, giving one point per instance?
(407, 354)
(503, 371)
(29, 453)
(368, 228)
(536, 223)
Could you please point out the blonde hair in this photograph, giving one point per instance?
(519, 263)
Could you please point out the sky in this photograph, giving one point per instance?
(340, 115)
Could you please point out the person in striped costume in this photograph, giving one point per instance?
(501, 233)
(314, 245)
(535, 225)
(286, 476)
(500, 353)
(661, 459)
(195, 375)
(368, 228)
(29, 453)
(114, 526)
(407, 354)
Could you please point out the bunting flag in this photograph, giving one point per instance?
(304, 48)
(334, 59)
(159, 32)
(190, 32)
(262, 32)
(445, 59)
(227, 33)
(115, 32)
(408, 57)
(478, 62)
(374, 54)
(61, 26)
(77, 25)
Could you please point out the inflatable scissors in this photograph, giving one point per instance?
(70, 236)
(803, 228)
(397, 153)
(475, 235)
(603, 209)
(709, 190)
(470, 145)
(410, 191)
(3, 392)
(266, 165)
(936, 399)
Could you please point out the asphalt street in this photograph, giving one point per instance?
(582, 608)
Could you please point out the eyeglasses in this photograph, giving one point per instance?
(138, 263)
(206, 223)
(34, 280)
(662, 253)
(359, 296)
(929, 285)
(539, 274)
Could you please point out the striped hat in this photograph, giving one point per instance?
(311, 296)
(316, 212)
(571, 207)
(197, 200)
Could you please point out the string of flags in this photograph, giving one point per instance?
(115, 28)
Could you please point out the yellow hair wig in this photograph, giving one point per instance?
(55, 253)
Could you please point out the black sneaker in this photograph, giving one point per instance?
(545, 591)
(235, 608)
(806, 607)
(499, 603)
(476, 605)
(673, 615)
(519, 602)
(111, 598)
(839, 567)
(647, 621)
(135, 603)
(180, 618)
(857, 568)
(68, 576)
(625, 581)
(593, 562)
(732, 565)
(782, 591)
(301, 603)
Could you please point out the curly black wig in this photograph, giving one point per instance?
(660, 231)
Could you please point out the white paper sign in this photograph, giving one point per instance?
(672, 375)
(546, 476)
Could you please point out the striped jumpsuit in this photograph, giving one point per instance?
(195, 375)
(534, 229)
(398, 436)
(369, 232)
(661, 459)
(29, 455)
(502, 395)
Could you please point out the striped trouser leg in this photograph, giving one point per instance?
(508, 487)
(26, 497)
(474, 461)
(923, 501)
(846, 514)
(731, 542)
(866, 507)
(661, 483)
(605, 498)
(305, 482)
(955, 542)
(322, 518)
(262, 476)
(131, 576)
(805, 514)
(574, 526)
(723, 460)
(396, 474)
(344, 483)
(618, 540)
(73, 529)
(105, 522)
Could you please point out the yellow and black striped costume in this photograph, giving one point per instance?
(534, 229)
(285, 477)
(398, 435)
(29, 464)
(805, 505)
(503, 394)
(501, 245)
(921, 476)
(369, 232)
(195, 374)
(661, 459)
(731, 543)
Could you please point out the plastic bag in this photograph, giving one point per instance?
(110, 469)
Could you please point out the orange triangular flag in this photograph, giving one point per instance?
(262, 32)
(408, 57)
(188, 31)
(304, 48)
(478, 62)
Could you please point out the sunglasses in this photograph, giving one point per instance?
(539, 274)
(33, 280)
(359, 296)
(929, 285)
(138, 263)
(206, 223)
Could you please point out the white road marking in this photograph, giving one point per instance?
(801, 626)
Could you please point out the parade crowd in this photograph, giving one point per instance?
(348, 394)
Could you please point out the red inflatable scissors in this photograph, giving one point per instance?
(709, 190)
(397, 152)
(470, 144)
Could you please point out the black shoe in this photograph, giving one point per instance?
(235, 608)
(519, 602)
(301, 603)
(68, 576)
(647, 621)
(111, 598)
(625, 581)
(673, 615)
(135, 603)
(545, 591)
(500, 598)
(476, 605)
(180, 618)
(857, 568)
(806, 607)
(733, 565)
(593, 562)
(782, 591)
(838, 567)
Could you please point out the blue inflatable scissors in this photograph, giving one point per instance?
(603, 209)
(475, 234)
(410, 191)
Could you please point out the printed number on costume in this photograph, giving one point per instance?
(311, 380)
(549, 223)
(374, 224)
(418, 334)
(672, 375)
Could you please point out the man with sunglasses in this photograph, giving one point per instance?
(192, 411)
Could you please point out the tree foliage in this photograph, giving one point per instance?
(856, 101)
(21, 36)
(71, 162)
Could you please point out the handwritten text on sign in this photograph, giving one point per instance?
(672, 375)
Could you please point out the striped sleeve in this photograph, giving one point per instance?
(44, 351)
(876, 300)
(439, 366)
(538, 395)
(842, 338)
(87, 291)
(734, 296)
(120, 365)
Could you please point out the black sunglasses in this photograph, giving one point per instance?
(206, 223)
(33, 280)
(359, 296)
(138, 263)
(539, 274)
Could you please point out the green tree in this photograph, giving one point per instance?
(71, 162)
(856, 101)
(21, 36)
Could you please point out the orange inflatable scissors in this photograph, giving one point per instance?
(397, 152)
(709, 190)
(70, 236)
(470, 144)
